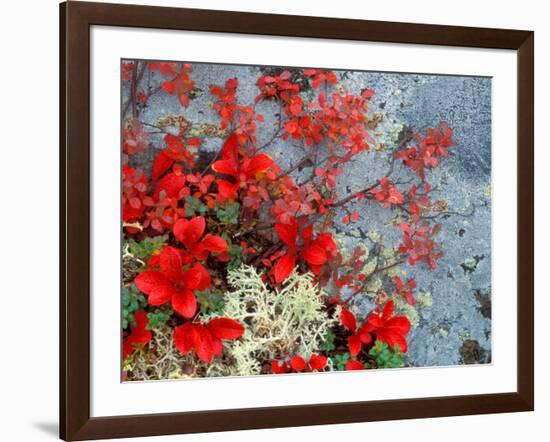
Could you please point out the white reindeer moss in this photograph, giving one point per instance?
(278, 323)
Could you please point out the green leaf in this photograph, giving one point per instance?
(339, 361)
(386, 357)
(132, 301)
(146, 247)
(228, 213)
(194, 205)
(159, 317)
(328, 343)
(235, 254)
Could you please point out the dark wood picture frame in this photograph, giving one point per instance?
(75, 21)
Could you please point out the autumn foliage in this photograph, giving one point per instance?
(190, 215)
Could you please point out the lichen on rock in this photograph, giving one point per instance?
(292, 320)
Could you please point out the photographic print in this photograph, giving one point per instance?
(280, 220)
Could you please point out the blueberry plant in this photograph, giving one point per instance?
(193, 219)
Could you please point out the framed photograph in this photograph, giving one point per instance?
(273, 221)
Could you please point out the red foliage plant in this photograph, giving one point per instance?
(242, 206)
(206, 340)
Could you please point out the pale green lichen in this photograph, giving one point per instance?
(178, 123)
(370, 266)
(374, 236)
(374, 286)
(364, 249)
(207, 130)
(425, 299)
(470, 264)
(278, 323)
(394, 133)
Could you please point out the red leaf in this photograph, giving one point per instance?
(315, 255)
(185, 303)
(288, 232)
(225, 167)
(204, 343)
(195, 336)
(354, 344)
(393, 339)
(225, 328)
(297, 363)
(183, 99)
(170, 263)
(388, 310)
(279, 367)
(367, 93)
(195, 229)
(399, 324)
(184, 337)
(348, 320)
(217, 346)
(192, 277)
(135, 202)
(176, 149)
(291, 126)
(194, 142)
(283, 267)
(317, 362)
(205, 280)
(227, 190)
(169, 87)
(307, 234)
(154, 284)
(214, 243)
(148, 280)
(167, 69)
(141, 319)
(229, 149)
(325, 241)
(171, 184)
(140, 334)
(295, 105)
(161, 164)
(127, 349)
(352, 364)
(189, 232)
(364, 334)
(259, 163)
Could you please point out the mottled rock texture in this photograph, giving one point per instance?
(454, 320)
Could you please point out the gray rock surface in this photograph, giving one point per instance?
(454, 321)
